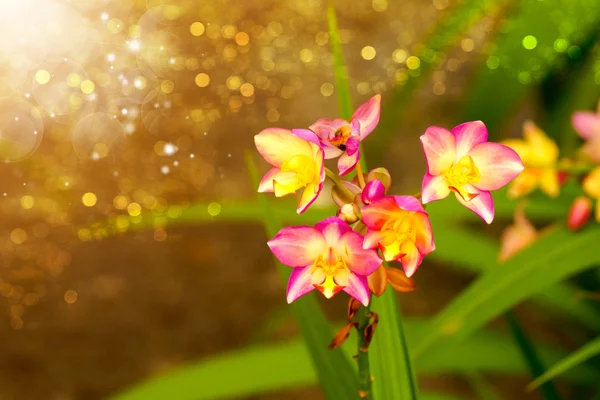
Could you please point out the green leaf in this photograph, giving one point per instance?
(534, 364)
(526, 50)
(447, 32)
(394, 377)
(574, 359)
(548, 261)
(481, 387)
(288, 365)
(336, 375)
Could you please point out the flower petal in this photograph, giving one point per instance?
(346, 163)
(592, 149)
(306, 135)
(352, 145)
(399, 281)
(266, 183)
(411, 259)
(523, 184)
(277, 145)
(332, 229)
(543, 150)
(497, 164)
(378, 281)
(356, 286)
(424, 239)
(434, 188)
(298, 246)
(409, 203)
(372, 239)
(368, 115)
(549, 182)
(378, 212)
(587, 124)
(300, 283)
(439, 147)
(468, 135)
(482, 204)
(285, 183)
(310, 194)
(358, 260)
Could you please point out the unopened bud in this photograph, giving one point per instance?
(348, 214)
(382, 175)
(373, 190)
(399, 281)
(579, 213)
(378, 281)
(341, 197)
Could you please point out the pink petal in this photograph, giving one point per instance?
(266, 183)
(372, 239)
(373, 190)
(439, 148)
(300, 283)
(360, 261)
(357, 286)
(352, 145)
(497, 164)
(310, 194)
(434, 188)
(332, 229)
(346, 163)
(468, 135)
(378, 213)
(325, 128)
(409, 203)
(587, 124)
(592, 149)
(306, 135)
(411, 260)
(298, 246)
(482, 204)
(368, 115)
(277, 145)
(424, 240)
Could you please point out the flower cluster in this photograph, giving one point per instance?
(349, 252)
(546, 172)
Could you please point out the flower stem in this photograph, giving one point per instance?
(359, 174)
(364, 371)
(333, 177)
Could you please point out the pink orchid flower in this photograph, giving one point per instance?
(400, 228)
(328, 257)
(587, 125)
(463, 161)
(342, 138)
(297, 161)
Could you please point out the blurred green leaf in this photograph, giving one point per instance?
(526, 50)
(574, 359)
(388, 352)
(536, 368)
(335, 373)
(275, 367)
(482, 388)
(551, 259)
(447, 32)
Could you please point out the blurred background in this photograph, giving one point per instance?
(111, 111)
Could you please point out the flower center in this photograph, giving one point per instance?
(341, 136)
(399, 230)
(325, 271)
(462, 173)
(304, 168)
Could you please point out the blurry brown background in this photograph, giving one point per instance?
(112, 109)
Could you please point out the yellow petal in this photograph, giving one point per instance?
(591, 183)
(523, 184)
(544, 150)
(549, 183)
(520, 147)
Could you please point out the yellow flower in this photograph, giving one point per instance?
(540, 155)
(591, 186)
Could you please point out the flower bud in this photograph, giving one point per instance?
(347, 213)
(341, 197)
(378, 281)
(399, 281)
(579, 213)
(373, 190)
(382, 175)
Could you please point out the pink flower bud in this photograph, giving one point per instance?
(382, 175)
(579, 213)
(373, 190)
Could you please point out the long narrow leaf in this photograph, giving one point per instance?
(551, 259)
(574, 359)
(335, 373)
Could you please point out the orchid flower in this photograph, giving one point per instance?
(517, 236)
(328, 257)
(341, 138)
(297, 161)
(463, 161)
(540, 156)
(587, 125)
(400, 228)
(591, 186)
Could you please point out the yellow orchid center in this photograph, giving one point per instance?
(462, 173)
(341, 136)
(304, 172)
(329, 268)
(399, 234)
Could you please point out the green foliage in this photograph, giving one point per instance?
(551, 259)
(586, 352)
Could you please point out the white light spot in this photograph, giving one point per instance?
(164, 169)
(169, 149)
(111, 57)
(134, 45)
(104, 16)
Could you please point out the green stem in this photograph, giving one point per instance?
(364, 371)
